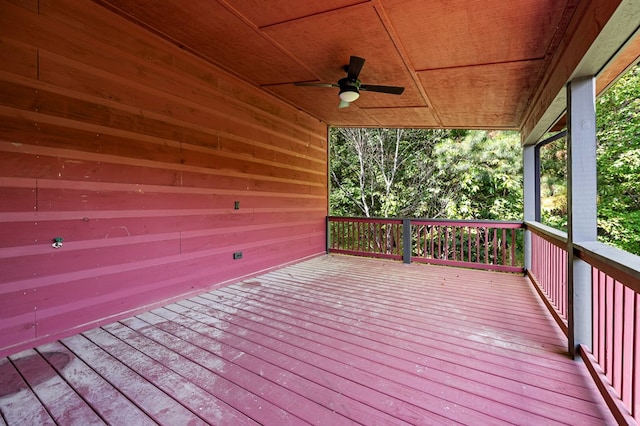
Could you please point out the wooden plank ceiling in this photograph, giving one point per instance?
(464, 63)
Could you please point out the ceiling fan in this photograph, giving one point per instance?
(350, 86)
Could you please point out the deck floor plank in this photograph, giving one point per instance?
(155, 403)
(434, 310)
(409, 335)
(346, 398)
(104, 398)
(18, 403)
(355, 320)
(250, 392)
(438, 378)
(333, 340)
(60, 400)
(348, 378)
(488, 342)
(200, 402)
(386, 374)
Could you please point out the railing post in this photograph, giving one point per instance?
(531, 199)
(406, 240)
(328, 231)
(581, 203)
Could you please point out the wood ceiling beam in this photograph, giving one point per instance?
(384, 18)
(597, 34)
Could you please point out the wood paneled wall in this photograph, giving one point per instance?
(135, 152)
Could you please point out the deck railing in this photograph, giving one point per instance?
(616, 326)
(491, 245)
(614, 360)
(548, 269)
(366, 237)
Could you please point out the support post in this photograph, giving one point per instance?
(582, 207)
(327, 228)
(538, 196)
(531, 198)
(406, 240)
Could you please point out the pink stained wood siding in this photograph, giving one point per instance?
(135, 153)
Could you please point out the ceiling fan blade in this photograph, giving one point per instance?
(394, 90)
(343, 104)
(316, 84)
(355, 66)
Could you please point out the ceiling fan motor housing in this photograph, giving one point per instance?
(349, 89)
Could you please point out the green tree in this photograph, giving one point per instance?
(553, 184)
(487, 170)
(426, 173)
(388, 172)
(618, 127)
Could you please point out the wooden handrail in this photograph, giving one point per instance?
(554, 236)
(619, 264)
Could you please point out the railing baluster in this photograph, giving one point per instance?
(469, 258)
(635, 367)
(369, 233)
(431, 232)
(608, 320)
(602, 320)
(335, 241)
(486, 245)
(462, 244)
(446, 243)
(426, 239)
(497, 246)
(513, 247)
(626, 373)
(616, 345)
(454, 248)
(504, 247)
(348, 236)
(478, 244)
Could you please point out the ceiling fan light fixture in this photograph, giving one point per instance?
(350, 86)
(349, 94)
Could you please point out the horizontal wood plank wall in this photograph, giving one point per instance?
(135, 152)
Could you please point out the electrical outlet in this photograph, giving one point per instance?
(236, 205)
(237, 255)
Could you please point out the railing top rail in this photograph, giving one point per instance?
(554, 236)
(477, 223)
(462, 222)
(363, 219)
(619, 264)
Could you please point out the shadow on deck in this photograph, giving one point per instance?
(333, 340)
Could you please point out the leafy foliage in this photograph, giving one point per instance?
(387, 173)
(487, 170)
(553, 184)
(426, 173)
(618, 125)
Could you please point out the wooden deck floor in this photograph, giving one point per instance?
(333, 340)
